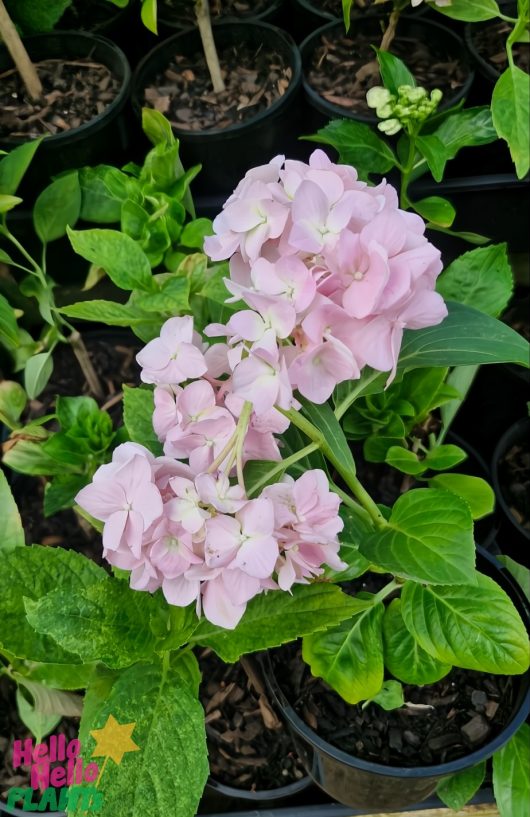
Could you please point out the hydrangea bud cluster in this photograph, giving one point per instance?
(410, 107)
(330, 272)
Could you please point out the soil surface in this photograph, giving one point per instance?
(180, 12)
(490, 42)
(514, 478)
(74, 92)
(248, 746)
(442, 721)
(343, 69)
(254, 79)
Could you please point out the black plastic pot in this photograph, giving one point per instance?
(101, 17)
(169, 23)
(226, 154)
(104, 138)
(486, 68)
(513, 538)
(362, 784)
(307, 16)
(442, 40)
(220, 798)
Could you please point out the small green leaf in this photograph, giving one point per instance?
(59, 676)
(7, 203)
(435, 209)
(28, 457)
(404, 657)
(108, 312)
(470, 11)
(349, 657)
(69, 409)
(429, 538)
(405, 460)
(156, 127)
(51, 701)
(119, 255)
(433, 151)
(459, 789)
(138, 407)
(148, 14)
(12, 530)
(38, 371)
(57, 208)
(14, 166)
(103, 189)
(13, 401)
(357, 144)
(481, 278)
(389, 697)
(510, 107)
(337, 448)
(394, 72)
(38, 723)
(61, 492)
(520, 573)
(511, 775)
(195, 232)
(475, 491)
(443, 457)
(9, 335)
(273, 618)
(474, 627)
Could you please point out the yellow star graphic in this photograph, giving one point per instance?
(114, 740)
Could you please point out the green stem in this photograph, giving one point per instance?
(387, 590)
(519, 29)
(345, 404)
(282, 466)
(350, 479)
(242, 426)
(36, 269)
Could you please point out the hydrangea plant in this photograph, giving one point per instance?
(236, 507)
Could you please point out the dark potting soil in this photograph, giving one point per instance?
(514, 478)
(248, 746)
(254, 79)
(74, 92)
(439, 722)
(490, 42)
(344, 68)
(180, 12)
(11, 729)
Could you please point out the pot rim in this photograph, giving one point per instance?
(268, 10)
(329, 108)
(513, 433)
(96, 122)
(142, 71)
(436, 770)
(261, 794)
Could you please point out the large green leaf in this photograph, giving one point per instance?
(429, 538)
(28, 457)
(394, 72)
(457, 790)
(59, 676)
(12, 535)
(357, 144)
(103, 189)
(475, 491)
(107, 312)
(57, 208)
(39, 369)
(9, 336)
(404, 657)
(168, 773)
(14, 166)
(120, 256)
(510, 107)
(349, 657)
(511, 775)
(475, 628)
(466, 337)
(138, 409)
(481, 278)
(468, 128)
(335, 446)
(470, 11)
(29, 574)
(105, 622)
(273, 618)
(36, 17)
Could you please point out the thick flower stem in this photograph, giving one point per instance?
(390, 33)
(349, 478)
(204, 23)
(282, 466)
(80, 351)
(242, 426)
(14, 45)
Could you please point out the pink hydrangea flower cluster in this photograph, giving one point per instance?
(332, 272)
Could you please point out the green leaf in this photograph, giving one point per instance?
(511, 775)
(435, 209)
(429, 538)
(349, 657)
(38, 371)
(119, 255)
(337, 447)
(470, 11)
(30, 573)
(195, 232)
(168, 773)
(12, 530)
(13, 401)
(459, 789)
(405, 460)
(8, 325)
(107, 312)
(356, 527)
(481, 278)
(394, 72)
(36, 17)
(467, 128)
(260, 473)
(69, 409)
(173, 625)
(271, 619)
(61, 492)
(103, 189)
(433, 151)
(357, 144)
(7, 203)
(148, 14)
(57, 208)
(14, 166)
(474, 627)
(443, 457)
(510, 109)
(404, 657)
(38, 723)
(520, 573)
(389, 697)
(28, 457)
(172, 299)
(138, 407)
(475, 491)
(105, 622)
(51, 701)
(466, 337)
(59, 676)
(156, 127)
